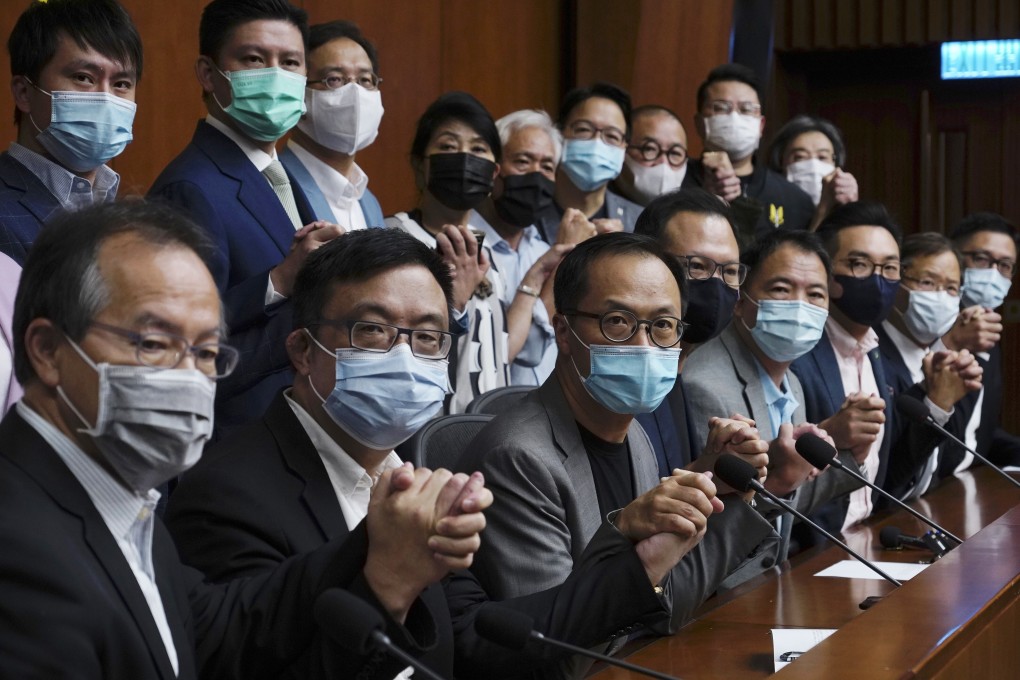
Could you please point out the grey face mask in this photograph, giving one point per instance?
(151, 424)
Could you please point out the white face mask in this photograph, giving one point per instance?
(808, 175)
(736, 134)
(652, 182)
(930, 314)
(345, 120)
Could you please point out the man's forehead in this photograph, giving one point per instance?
(732, 88)
(617, 275)
(331, 52)
(865, 237)
(531, 138)
(995, 242)
(82, 55)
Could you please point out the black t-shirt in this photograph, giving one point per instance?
(610, 468)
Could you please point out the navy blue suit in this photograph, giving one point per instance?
(667, 429)
(219, 187)
(25, 204)
(317, 200)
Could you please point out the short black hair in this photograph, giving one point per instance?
(221, 17)
(653, 219)
(70, 244)
(320, 34)
(571, 282)
(984, 221)
(797, 126)
(763, 248)
(580, 95)
(856, 214)
(462, 107)
(725, 72)
(925, 244)
(101, 25)
(355, 257)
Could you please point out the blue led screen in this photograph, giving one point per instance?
(980, 59)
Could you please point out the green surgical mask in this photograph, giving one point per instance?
(265, 102)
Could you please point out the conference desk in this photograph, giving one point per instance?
(958, 618)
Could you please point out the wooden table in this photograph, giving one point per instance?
(959, 618)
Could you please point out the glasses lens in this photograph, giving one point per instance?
(734, 273)
(374, 337)
(618, 326)
(430, 344)
(666, 331)
(700, 268)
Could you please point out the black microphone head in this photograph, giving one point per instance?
(816, 450)
(735, 472)
(504, 626)
(912, 408)
(890, 537)
(347, 620)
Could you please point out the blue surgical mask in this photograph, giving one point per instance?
(787, 329)
(985, 287)
(630, 379)
(866, 301)
(930, 314)
(86, 129)
(382, 398)
(591, 163)
(265, 102)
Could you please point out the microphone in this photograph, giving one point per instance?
(919, 412)
(743, 477)
(892, 537)
(819, 453)
(513, 629)
(353, 624)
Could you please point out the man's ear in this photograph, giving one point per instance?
(562, 331)
(20, 88)
(42, 344)
(299, 347)
(205, 71)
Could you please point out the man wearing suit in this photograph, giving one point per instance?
(845, 384)
(119, 389)
(745, 370)
(301, 475)
(230, 181)
(74, 63)
(569, 461)
(343, 111)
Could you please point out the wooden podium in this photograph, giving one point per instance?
(958, 619)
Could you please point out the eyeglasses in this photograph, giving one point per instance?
(703, 268)
(167, 350)
(929, 285)
(369, 81)
(585, 129)
(862, 268)
(982, 259)
(650, 150)
(619, 325)
(372, 336)
(724, 107)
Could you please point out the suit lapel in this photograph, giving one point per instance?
(747, 372)
(36, 198)
(31, 453)
(824, 358)
(300, 177)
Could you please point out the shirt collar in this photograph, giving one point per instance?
(845, 344)
(259, 158)
(496, 242)
(333, 183)
(70, 190)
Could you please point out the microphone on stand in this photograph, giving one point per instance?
(894, 538)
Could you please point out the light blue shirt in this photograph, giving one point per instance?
(73, 192)
(781, 402)
(535, 362)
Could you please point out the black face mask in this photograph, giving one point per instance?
(524, 198)
(709, 308)
(460, 181)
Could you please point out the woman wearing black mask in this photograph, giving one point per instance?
(454, 155)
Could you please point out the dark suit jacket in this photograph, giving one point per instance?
(70, 606)
(617, 207)
(264, 495)
(216, 184)
(317, 200)
(25, 204)
(668, 431)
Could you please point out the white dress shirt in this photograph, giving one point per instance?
(342, 194)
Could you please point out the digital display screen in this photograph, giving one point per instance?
(975, 59)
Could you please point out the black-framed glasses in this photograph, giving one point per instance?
(373, 336)
(703, 268)
(585, 129)
(334, 81)
(724, 107)
(651, 150)
(619, 325)
(167, 350)
(928, 285)
(982, 259)
(862, 268)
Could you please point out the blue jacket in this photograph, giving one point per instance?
(667, 430)
(25, 204)
(218, 186)
(317, 200)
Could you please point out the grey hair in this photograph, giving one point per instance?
(514, 122)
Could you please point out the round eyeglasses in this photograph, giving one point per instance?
(862, 268)
(619, 325)
(650, 150)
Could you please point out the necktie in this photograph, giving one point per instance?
(277, 177)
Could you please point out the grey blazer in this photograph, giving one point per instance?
(546, 512)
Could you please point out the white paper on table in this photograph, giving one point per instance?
(901, 571)
(1011, 468)
(795, 640)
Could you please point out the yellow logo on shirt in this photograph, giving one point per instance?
(776, 215)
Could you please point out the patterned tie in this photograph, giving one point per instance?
(278, 179)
